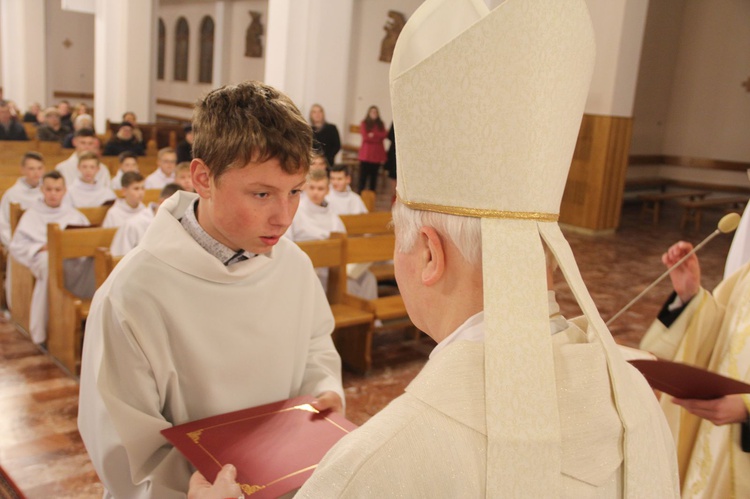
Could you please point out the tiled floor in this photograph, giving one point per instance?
(42, 451)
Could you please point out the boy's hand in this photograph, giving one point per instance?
(225, 486)
(328, 400)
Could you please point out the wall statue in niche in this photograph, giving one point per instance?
(253, 43)
(393, 27)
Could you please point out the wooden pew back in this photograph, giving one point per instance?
(104, 263)
(375, 222)
(64, 332)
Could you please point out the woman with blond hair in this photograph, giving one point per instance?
(326, 138)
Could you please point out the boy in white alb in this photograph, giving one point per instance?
(166, 161)
(84, 140)
(182, 176)
(315, 221)
(128, 163)
(130, 204)
(86, 191)
(25, 192)
(29, 247)
(132, 231)
(212, 284)
(341, 199)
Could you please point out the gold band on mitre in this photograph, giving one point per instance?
(480, 213)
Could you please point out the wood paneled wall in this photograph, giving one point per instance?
(593, 194)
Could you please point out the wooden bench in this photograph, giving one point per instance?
(375, 222)
(369, 198)
(374, 248)
(67, 312)
(104, 263)
(693, 208)
(22, 280)
(95, 214)
(652, 201)
(352, 334)
(151, 195)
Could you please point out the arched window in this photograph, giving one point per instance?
(160, 56)
(206, 63)
(182, 40)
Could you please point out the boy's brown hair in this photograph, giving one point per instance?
(87, 155)
(129, 178)
(31, 155)
(251, 121)
(317, 175)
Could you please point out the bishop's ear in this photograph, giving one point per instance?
(433, 256)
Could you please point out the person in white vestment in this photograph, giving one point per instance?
(84, 140)
(214, 311)
(86, 191)
(131, 233)
(25, 192)
(341, 199)
(739, 251)
(502, 408)
(128, 163)
(708, 330)
(166, 161)
(315, 220)
(29, 247)
(131, 203)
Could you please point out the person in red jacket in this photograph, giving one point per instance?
(371, 152)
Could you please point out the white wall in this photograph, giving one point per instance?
(368, 82)
(709, 111)
(69, 69)
(243, 68)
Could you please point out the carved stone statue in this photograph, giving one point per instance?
(393, 27)
(253, 43)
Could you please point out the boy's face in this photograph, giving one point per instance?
(316, 191)
(184, 180)
(32, 171)
(53, 190)
(339, 181)
(85, 144)
(167, 163)
(87, 169)
(129, 165)
(133, 194)
(249, 208)
(125, 133)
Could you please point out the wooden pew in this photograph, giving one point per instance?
(95, 214)
(374, 248)
(151, 196)
(352, 333)
(67, 311)
(375, 222)
(22, 280)
(104, 263)
(369, 197)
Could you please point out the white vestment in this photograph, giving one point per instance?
(345, 203)
(121, 212)
(739, 252)
(83, 195)
(26, 247)
(174, 336)
(431, 441)
(313, 223)
(69, 170)
(713, 332)
(158, 180)
(130, 234)
(22, 194)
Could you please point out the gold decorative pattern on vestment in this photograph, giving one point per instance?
(481, 213)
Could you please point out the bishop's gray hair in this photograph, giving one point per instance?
(464, 232)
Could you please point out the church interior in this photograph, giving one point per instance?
(661, 155)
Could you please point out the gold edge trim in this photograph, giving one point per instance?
(303, 407)
(480, 213)
(334, 423)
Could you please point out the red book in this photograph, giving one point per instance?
(688, 382)
(275, 447)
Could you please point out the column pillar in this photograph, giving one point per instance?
(593, 195)
(124, 60)
(309, 49)
(23, 51)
